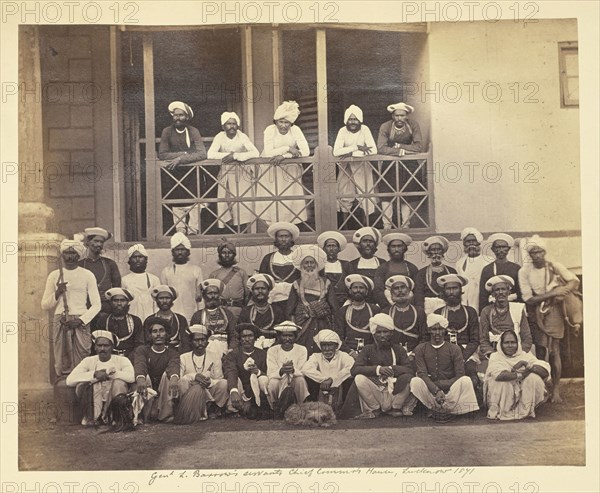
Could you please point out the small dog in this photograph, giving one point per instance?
(310, 414)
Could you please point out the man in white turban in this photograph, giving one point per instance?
(398, 137)
(501, 244)
(139, 282)
(278, 179)
(181, 143)
(68, 290)
(185, 277)
(328, 370)
(550, 291)
(382, 373)
(236, 180)
(333, 243)
(471, 265)
(441, 384)
(355, 177)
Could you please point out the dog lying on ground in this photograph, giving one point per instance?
(310, 414)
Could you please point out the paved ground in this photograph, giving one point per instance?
(555, 437)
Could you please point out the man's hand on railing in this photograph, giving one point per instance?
(276, 160)
(366, 149)
(229, 159)
(295, 151)
(173, 164)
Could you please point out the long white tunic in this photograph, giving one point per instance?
(84, 371)
(355, 178)
(235, 180)
(317, 368)
(283, 180)
(186, 279)
(139, 285)
(471, 267)
(209, 364)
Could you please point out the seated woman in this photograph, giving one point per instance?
(514, 381)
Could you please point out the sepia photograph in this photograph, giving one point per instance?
(268, 240)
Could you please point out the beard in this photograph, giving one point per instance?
(227, 263)
(452, 300)
(358, 297)
(403, 299)
(310, 279)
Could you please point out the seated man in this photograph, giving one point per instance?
(382, 373)
(157, 370)
(502, 315)
(139, 282)
(352, 320)
(410, 326)
(245, 369)
(312, 301)
(397, 245)
(441, 384)
(178, 335)
(218, 319)
(236, 179)
(202, 386)
(100, 378)
(284, 369)
(328, 369)
(427, 290)
(261, 312)
(127, 328)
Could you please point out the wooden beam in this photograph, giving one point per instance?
(153, 192)
(116, 109)
(275, 52)
(248, 81)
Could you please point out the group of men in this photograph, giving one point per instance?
(366, 336)
(247, 191)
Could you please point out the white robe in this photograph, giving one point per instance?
(139, 285)
(186, 279)
(317, 368)
(471, 267)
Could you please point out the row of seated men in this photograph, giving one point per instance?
(310, 300)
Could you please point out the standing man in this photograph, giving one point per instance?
(366, 241)
(382, 373)
(157, 369)
(260, 312)
(105, 270)
(235, 292)
(352, 319)
(470, 266)
(545, 287)
(463, 323)
(427, 290)
(245, 369)
(67, 292)
(397, 245)
(201, 369)
(182, 144)
(284, 368)
(178, 334)
(501, 245)
(139, 282)
(216, 318)
(410, 326)
(441, 384)
(332, 243)
(280, 263)
(186, 278)
(236, 180)
(100, 378)
(355, 178)
(127, 328)
(398, 137)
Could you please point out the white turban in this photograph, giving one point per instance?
(381, 320)
(471, 231)
(331, 235)
(74, 244)
(327, 335)
(163, 288)
(112, 292)
(287, 326)
(103, 333)
(497, 280)
(180, 239)
(138, 247)
(266, 278)
(353, 110)
(404, 238)
(534, 241)
(503, 237)
(432, 240)
(358, 278)
(230, 114)
(215, 283)
(434, 318)
(200, 329)
(366, 231)
(305, 251)
(448, 278)
(407, 281)
(288, 110)
(283, 226)
(97, 232)
(178, 105)
(400, 106)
